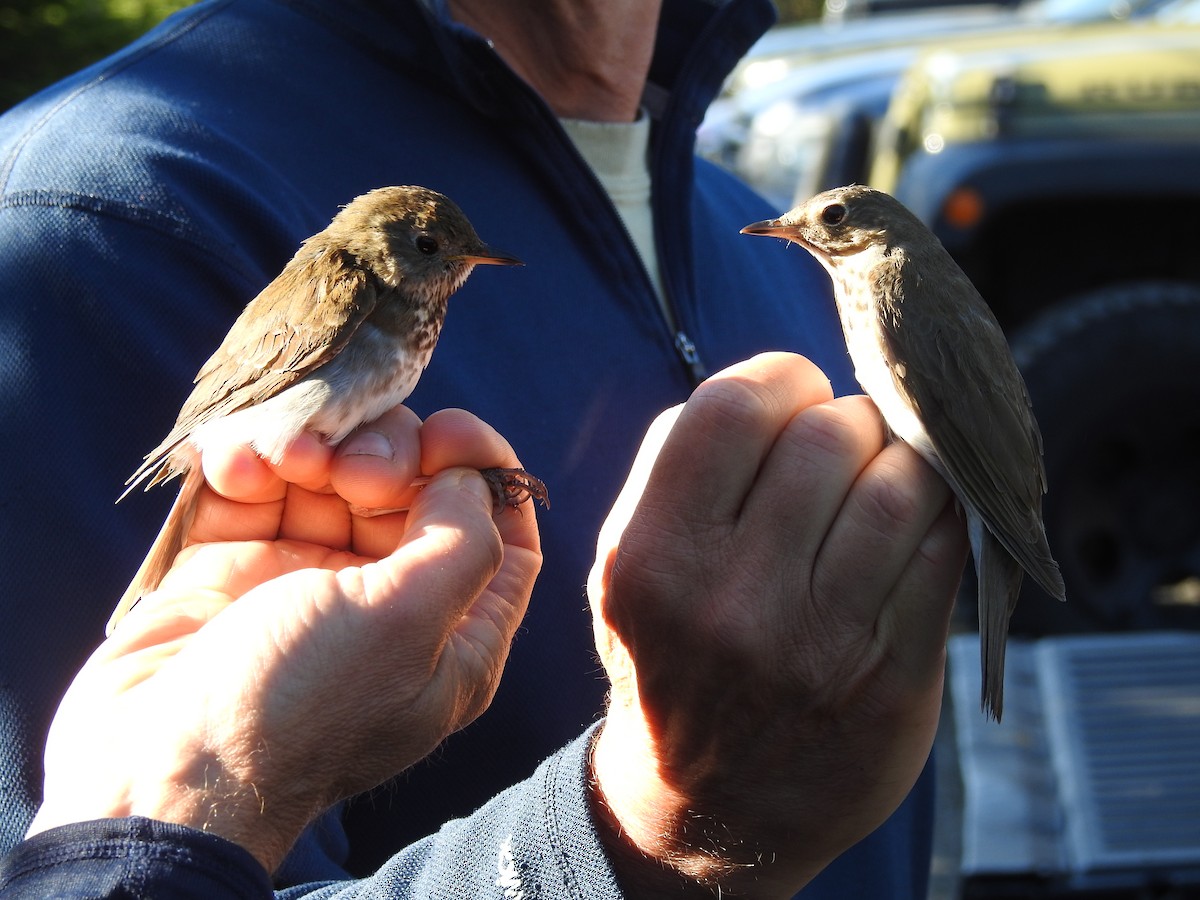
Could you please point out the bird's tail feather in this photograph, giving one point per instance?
(999, 586)
(164, 549)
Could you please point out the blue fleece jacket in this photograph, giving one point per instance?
(535, 840)
(146, 199)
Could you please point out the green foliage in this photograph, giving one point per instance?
(42, 41)
(798, 10)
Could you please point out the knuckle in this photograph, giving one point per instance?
(828, 432)
(891, 500)
(731, 403)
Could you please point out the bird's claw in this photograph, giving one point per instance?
(512, 487)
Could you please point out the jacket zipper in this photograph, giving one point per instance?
(685, 347)
(691, 358)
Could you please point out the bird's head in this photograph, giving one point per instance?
(414, 237)
(842, 222)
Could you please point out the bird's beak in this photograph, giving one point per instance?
(488, 256)
(768, 227)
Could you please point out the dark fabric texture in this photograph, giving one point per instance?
(145, 200)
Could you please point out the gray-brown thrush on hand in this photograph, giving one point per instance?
(340, 336)
(929, 352)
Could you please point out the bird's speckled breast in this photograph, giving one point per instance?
(874, 366)
(362, 390)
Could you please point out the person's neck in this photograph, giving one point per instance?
(589, 59)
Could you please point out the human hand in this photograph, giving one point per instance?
(771, 599)
(355, 645)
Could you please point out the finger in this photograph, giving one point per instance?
(917, 620)
(372, 467)
(305, 462)
(711, 459)
(455, 437)
(375, 466)
(609, 539)
(244, 493)
(451, 551)
(276, 508)
(236, 472)
(804, 481)
(315, 518)
(219, 518)
(488, 618)
(887, 515)
(450, 438)
(698, 461)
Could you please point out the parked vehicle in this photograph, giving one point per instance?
(1063, 174)
(1060, 166)
(799, 114)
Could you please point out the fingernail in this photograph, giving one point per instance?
(369, 443)
(480, 488)
(469, 480)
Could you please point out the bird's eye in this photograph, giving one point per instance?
(833, 214)
(426, 244)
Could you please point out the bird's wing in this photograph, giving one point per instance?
(299, 322)
(986, 436)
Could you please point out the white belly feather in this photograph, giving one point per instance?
(865, 343)
(333, 400)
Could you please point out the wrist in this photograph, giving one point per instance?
(197, 792)
(209, 797)
(690, 825)
(660, 844)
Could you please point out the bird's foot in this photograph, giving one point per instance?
(512, 487)
(509, 487)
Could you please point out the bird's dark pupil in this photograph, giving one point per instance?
(834, 214)
(426, 244)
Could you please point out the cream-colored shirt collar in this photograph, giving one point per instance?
(618, 154)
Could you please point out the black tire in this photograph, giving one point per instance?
(1115, 381)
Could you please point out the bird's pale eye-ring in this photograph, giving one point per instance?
(834, 214)
(426, 244)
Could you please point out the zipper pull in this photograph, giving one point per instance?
(687, 352)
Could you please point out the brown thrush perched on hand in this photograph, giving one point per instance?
(930, 353)
(340, 336)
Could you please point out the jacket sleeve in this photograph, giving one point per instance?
(537, 839)
(132, 857)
